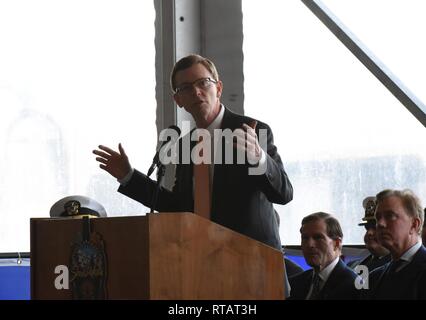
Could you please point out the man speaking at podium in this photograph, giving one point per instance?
(227, 193)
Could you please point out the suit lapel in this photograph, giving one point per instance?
(184, 182)
(418, 262)
(332, 280)
(307, 283)
(231, 120)
(301, 285)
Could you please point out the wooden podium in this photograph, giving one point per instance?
(161, 256)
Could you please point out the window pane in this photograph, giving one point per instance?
(73, 75)
(397, 40)
(341, 134)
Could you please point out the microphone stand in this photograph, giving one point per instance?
(161, 170)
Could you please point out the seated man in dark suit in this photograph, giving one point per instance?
(379, 255)
(330, 278)
(400, 216)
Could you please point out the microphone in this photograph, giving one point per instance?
(173, 133)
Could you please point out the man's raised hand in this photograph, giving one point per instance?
(115, 163)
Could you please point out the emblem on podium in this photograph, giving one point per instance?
(88, 267)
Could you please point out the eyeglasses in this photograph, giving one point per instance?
(203, 83)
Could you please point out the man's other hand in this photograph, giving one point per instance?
(248, 142)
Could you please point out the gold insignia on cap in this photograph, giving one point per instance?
(72, 207)
(369, 205)
(370, 208)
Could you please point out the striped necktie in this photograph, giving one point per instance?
(316, 280)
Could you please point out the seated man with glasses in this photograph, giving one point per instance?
(237, 200)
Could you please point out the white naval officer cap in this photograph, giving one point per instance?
(73, 206)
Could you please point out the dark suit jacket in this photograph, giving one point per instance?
(339, 286)
(407, 284)
(370, 262)
(240, 201)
